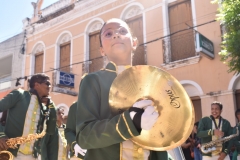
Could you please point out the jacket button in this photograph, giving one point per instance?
(140, 150)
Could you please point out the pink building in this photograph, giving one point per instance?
(184, 40)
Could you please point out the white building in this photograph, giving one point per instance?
(11, 62)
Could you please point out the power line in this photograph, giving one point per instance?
(73, 57)
(25, 77)
(177, 32)
(139, 45)
(148, 34)
(102, 57)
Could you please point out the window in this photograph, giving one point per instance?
(5, 72)
(38, 63)
(5, 82)
(97, 61)
(180, 17)
(196, 101)
(136, 26)
(65, 57)
(37, 58)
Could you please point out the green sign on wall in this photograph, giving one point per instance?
(204, 45)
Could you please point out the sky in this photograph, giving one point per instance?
(12, 12)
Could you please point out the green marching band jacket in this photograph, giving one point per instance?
(17, 103)
(70, 130)
(98, 130)
(205, 132)
(236, 140)
(50, 146)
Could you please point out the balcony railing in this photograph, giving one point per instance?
(179, 46)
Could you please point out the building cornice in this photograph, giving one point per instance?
(217, 93)
(56, 14)
(181, 63)
(83, 10)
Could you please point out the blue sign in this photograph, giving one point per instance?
(65, 79)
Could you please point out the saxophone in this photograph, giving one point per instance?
(13, 142)
(211, 146)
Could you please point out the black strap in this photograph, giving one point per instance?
(219, 124)
(135, 109)
(137, 118)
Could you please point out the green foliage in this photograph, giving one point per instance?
(229, 15)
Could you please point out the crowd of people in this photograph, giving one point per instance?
(191, 148)
(208, 140)
(89, 129)
(26, 113)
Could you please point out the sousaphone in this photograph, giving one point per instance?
(176, 112)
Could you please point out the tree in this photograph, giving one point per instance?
(229, 16)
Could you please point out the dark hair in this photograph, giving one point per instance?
(196, 124)
(218, 103)
(39, 78)
(236, 112)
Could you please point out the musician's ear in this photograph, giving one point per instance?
(135, 43)
(102, 51)
(36, 84)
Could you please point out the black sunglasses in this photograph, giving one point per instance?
(46, 82)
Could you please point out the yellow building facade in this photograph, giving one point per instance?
(178, 36)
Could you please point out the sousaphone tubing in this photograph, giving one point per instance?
(176, 112)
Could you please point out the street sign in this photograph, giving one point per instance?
(204, 45)
(65, 79)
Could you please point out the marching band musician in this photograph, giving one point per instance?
(25, 112)
(212, 128)
(236, 141)
(106, 135)
(54, 147)
(76, 152)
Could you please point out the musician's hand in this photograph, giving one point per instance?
(222, 156)
(218, 133)
(186, 145)
(79, 150)
(149, 118)
(199, 145)
(3, 145)
(143, 103)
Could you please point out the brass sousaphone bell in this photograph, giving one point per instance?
(176, 113)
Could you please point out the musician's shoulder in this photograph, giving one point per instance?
(74, 103)
(18, 90)
(89, 76)
(205, 118)
(84, 75)
(225, 120)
